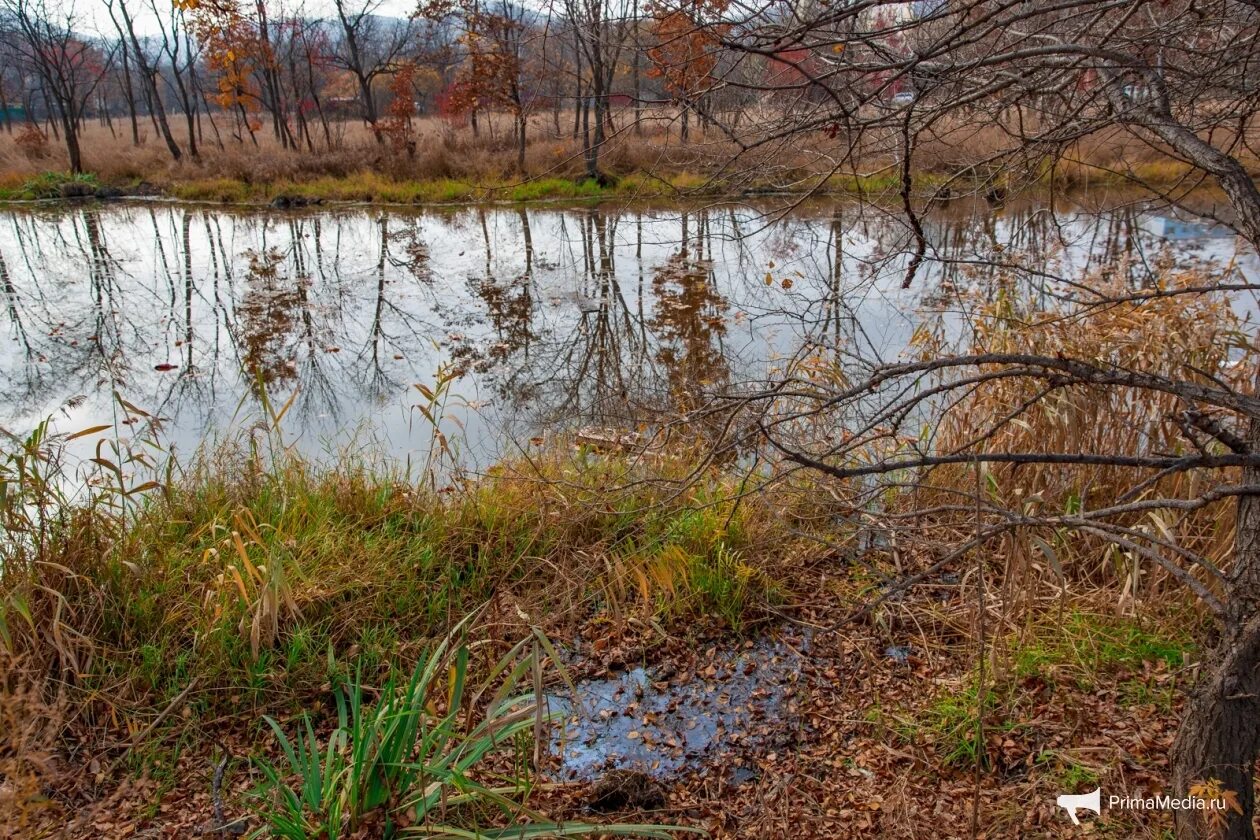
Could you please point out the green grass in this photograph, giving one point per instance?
(1068, 774)
(1085, 645)
(1079, 651)
(373, 187)
(949, 724)
(553, 188)
(262, 579)
(406, 762)
(47, 185)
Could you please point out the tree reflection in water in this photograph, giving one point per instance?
(561, 318)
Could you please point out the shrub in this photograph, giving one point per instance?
(32, 142)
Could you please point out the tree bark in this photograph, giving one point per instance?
(1219, 736)
(522, 126)
(129, 94)
(72, 144)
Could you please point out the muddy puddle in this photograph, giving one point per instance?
(713, 709)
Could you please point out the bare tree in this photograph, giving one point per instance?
(68, 67)
(124, 22)
(371, 46)
(865, 87)
(182, 55)
(602, 30)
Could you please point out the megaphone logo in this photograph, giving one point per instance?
(1088, 801)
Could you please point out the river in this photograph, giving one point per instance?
(546, 318)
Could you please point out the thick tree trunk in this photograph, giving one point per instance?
(1219, 736)
(72, 146)
(8, 114)
(1238, 186)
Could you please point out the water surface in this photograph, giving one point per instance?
(551, 318)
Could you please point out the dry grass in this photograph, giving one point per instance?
(444, 151)
(1171, 336)
(248, 576)
(450, 163)
(33, 721)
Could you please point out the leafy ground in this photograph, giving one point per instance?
(885, 741)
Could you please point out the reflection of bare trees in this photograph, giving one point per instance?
(690, 320)
(574, 317)
(394, 328)
(268, 318)
(510, 304)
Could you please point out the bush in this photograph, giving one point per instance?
(32, 142)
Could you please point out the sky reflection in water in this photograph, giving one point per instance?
(560, 318)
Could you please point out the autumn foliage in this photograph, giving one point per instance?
(233, 51)
(688, 40)
(398, 125)
(491, 76)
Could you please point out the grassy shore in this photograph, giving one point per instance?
(451, 165)
(247, 634)
(372, 187)
(251, 575)
(158, 631)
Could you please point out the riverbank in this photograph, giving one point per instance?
(244, 590)
(373, 187)
(168, 626)
(449, 162)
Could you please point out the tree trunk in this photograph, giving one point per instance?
(579, 102)
(360, 74)
(586, 140)
(130, 96)
(522, 124)
(155, 98)
(1219, 736)
(190, 115)
(1238, 186)
(72, 145)
(638, 98)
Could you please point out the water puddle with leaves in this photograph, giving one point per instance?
(719, 707)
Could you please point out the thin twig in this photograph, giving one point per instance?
(144, 733)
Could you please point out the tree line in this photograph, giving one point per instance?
(229, 72)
